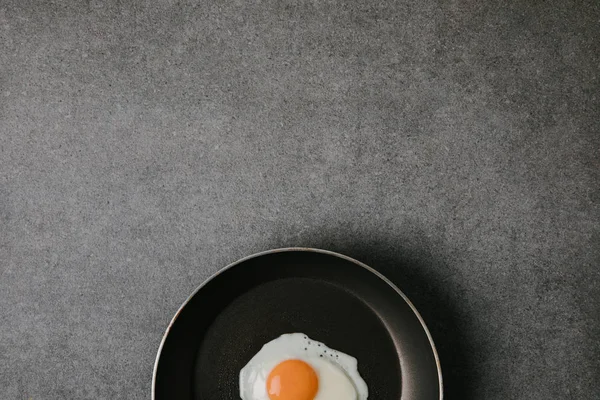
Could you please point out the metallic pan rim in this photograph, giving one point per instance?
(306, 249)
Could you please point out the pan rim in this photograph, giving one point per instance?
(305, 249)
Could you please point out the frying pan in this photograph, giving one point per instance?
(329, 297)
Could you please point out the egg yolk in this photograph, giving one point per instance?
(292, 380)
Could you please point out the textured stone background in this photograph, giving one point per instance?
(454, 145)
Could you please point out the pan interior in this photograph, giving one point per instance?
(323, 311)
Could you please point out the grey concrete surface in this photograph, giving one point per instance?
(454, 145)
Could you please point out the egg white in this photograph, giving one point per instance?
(337, 371)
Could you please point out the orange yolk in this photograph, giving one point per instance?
(292, 380)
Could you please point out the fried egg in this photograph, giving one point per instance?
(295, 367)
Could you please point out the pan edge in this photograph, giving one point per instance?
(305, 249)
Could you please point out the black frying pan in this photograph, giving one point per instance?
(330, 297)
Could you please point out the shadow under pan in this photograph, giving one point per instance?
(331, 298)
